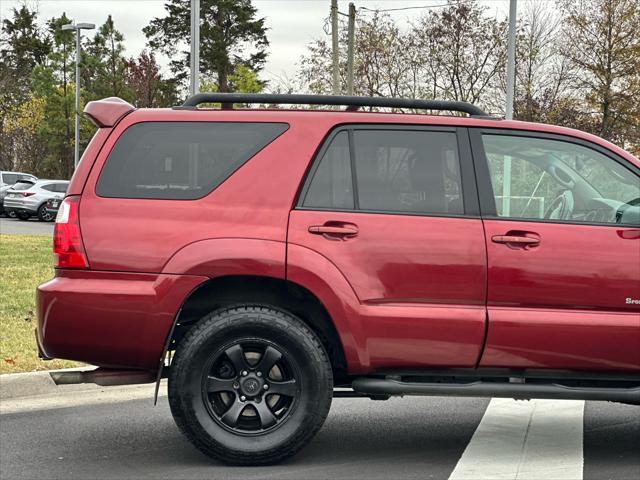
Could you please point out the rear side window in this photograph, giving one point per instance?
(332, 186)
(9, 178)
(408, 171)
(405, 171)
(180, 160)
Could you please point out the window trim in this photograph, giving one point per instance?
(467, 175)
(189, 121)
(488, 208)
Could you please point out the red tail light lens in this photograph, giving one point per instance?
(68, 249)
(28, 194)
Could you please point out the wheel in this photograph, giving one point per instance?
(11, 214)
(250, 385)
(23, 215)
(43, 214)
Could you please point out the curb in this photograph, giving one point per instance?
(17, 385)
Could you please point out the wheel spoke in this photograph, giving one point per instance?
(268, 360)
(287, 388)
(237, 358)
(267, 418)
(231, 416)
(215, 384)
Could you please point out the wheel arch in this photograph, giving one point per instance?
(224, 291)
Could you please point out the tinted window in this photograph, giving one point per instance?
(408, 171)
(50, 187)
(331, 185)
(180, 160)
(60, 187)
(534, 178)
(9, 178)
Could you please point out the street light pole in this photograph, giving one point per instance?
(194, 84)
(511, 82)
(511, 59)
(78, 27)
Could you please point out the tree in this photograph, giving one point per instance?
(457, 54)
(602, 41)
(467, 50)
(23, 125)
(230, 35)
(149, 88)
(53, 82)
(383, 60)
(23, 45)
(104, 63)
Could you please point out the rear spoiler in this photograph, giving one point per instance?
(107, 112)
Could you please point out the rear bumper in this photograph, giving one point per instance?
(21, 205)
(109, 319)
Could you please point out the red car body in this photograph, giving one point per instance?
(407, 292)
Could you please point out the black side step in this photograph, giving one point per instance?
(386, 386)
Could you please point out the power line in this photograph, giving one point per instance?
(420, 7)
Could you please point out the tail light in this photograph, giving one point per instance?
(68, 249)
(28, 194)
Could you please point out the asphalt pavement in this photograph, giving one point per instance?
(29, 227)
(411, 437)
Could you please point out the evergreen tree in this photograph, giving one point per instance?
(230, 34)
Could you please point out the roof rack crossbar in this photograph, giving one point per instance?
(351, 102)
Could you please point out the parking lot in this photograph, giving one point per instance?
(421, 438)
(13, 226)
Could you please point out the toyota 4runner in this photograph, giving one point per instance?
(268, 260)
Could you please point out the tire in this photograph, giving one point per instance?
(209, 357)
(11, 214)
(24, 216)
(44, 215)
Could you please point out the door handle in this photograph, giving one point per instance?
(333, 230)
(519, 240)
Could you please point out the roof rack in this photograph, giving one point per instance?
(352, 103)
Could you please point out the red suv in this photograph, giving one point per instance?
(267, 260)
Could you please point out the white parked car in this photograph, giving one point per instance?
(27, 199)
(9, 178)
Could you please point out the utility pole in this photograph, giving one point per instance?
(78, 27)
(194, 83)
(350, 48)
(334, 44)
(511, 59)
(511, 81)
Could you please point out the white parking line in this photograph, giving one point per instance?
(521, 440)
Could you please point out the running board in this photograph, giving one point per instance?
(521, 391)
(103, 376)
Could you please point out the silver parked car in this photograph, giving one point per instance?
(7, 180)
(27, 199)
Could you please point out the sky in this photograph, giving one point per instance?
(293, 24)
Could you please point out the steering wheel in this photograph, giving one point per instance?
(561, 208)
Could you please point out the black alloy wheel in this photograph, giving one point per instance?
(251, 386)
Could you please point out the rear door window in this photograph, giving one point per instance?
(180, 160)
(404, 171)
(408, 171)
